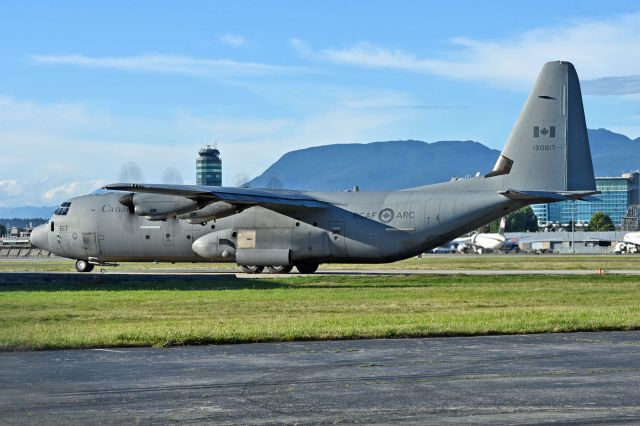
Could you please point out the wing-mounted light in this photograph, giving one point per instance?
(213, 211)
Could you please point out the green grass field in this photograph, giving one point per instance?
(83, 315)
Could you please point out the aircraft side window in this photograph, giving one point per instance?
(52, 226)
(63, 209)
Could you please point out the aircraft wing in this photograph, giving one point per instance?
(269, 198)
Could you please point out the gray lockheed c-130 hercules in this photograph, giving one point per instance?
(546, 159)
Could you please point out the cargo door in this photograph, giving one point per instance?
(337, 240)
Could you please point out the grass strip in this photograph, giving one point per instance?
(84, 315)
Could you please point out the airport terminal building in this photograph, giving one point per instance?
(617, 195)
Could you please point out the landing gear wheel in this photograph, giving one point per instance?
(307, 268)
(251, 269)
(279, 269)
(83, 266)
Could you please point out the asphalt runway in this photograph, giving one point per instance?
(578, 378)
(199, 275)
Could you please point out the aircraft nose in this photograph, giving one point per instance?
(39, 237)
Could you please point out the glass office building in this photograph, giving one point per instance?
(617, 193)
(209, 167)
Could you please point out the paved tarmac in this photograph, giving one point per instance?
(580, 378)
(199, 275)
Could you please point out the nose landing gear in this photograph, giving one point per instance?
(83, 266)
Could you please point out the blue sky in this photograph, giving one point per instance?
(88, 86)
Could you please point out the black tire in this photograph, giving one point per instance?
(251, 269)
(280, 269)
(307, 268)
(83, 266)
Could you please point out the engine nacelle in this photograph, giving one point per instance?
(212, 211)
(157, 206)
(215, 245)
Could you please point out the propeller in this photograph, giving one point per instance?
(130, 172)
(241, 180)
(274, 183)
(172, 176)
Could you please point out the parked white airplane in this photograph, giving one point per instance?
(630, 243)
(481, 242)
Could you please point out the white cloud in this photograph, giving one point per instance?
(62, 150)
(171, 64)
(233, 40)
(623, 85)
(15, 114)
(234, 130)
(10, 188)
(599, 49)
(70, 189)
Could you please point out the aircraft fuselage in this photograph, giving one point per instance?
(354, 227)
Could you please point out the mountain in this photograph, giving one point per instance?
(613, 153)
(381, 166)
(26, 212)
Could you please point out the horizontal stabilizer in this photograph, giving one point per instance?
(548, 196)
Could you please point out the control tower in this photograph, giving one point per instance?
(209, 166)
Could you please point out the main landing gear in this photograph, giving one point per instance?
(303, 268)
(83, 266)
(307, 268)
(251, 269)
(280, 269)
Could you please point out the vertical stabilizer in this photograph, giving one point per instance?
(548, 148)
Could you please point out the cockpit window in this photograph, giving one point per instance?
(63, 209)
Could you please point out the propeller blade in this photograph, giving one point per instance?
(172, 176)
(130, 172)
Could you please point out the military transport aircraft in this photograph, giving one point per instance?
(546, 159)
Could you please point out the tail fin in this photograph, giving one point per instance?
(548, 149)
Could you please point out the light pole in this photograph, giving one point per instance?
(573, 226)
